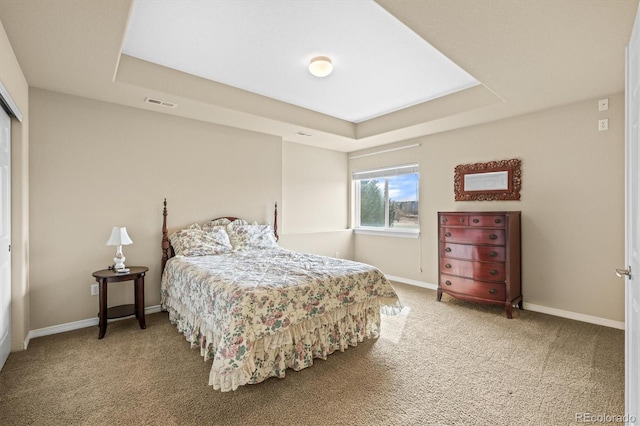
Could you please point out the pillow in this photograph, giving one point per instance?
(244, 237)
(223, 221)
(196, 242)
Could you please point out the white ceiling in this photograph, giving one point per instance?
(265, 47)
(527, 56)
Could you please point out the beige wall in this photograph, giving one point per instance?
(315, 195)
(572, 203)
(316, 191)
(96, 165)
(572, 197)
(14, 81)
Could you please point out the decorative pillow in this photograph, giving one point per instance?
(223, 221)
(196, 242)
(245, 237)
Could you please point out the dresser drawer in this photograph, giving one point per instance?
(477, 270)
(487, 220)
(493, 291)
(470, 252)
(473, 236)
(454, 220)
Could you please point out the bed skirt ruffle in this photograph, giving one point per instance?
(295, 347)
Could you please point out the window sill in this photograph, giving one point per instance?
(414, 233)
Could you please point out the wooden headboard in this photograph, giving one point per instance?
(167, 249)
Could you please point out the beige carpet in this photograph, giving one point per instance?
(448, 363)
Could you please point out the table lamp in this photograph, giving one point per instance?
(119, 238)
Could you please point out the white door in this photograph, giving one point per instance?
(5, 236)
(632, 227)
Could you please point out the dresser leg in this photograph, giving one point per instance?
(520, 305)
(509, 311)
(439, 294)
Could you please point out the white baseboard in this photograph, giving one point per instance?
(574, 316)
(90, 322)
(530, 307)
(412, 282)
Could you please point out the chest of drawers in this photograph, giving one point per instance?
(479, 257)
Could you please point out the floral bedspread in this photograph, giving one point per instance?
(225, 303)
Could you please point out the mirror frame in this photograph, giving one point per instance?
(514, 181)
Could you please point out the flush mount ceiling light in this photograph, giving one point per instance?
(320, 66)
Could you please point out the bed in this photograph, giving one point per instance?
(255, 309)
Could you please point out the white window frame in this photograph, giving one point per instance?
(386, 172)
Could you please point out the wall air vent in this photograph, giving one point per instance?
(154, 101)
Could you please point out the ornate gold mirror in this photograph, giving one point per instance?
(495, 180)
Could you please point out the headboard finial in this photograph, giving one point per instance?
(165, 237)
(275, 221)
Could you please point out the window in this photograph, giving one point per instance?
(387, 199)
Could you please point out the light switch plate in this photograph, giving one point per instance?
(603, 104)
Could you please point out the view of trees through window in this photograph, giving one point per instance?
(393, 198)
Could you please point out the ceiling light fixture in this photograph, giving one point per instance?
(320, 66)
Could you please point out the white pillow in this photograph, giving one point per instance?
(196, 242)
(245, 237)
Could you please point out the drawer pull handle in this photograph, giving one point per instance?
(444, 220)
(476, 220)
(493, 253)
(498, 221)
(448, 249)
(493, 291)
(447, 282)
(461, 219)
(493, 272)
(448, 266)
(448, 234)
(493, 237)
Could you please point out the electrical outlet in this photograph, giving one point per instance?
(603, 124)
(94, 290)
(603, 104)
(337, 255)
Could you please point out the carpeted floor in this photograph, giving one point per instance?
(448, 363)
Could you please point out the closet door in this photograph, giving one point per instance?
(5, 236)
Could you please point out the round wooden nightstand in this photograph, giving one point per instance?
(105, 276)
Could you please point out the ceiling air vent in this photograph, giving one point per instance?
(154, 101)
(303, 134)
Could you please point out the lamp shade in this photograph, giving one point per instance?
(119, 237)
